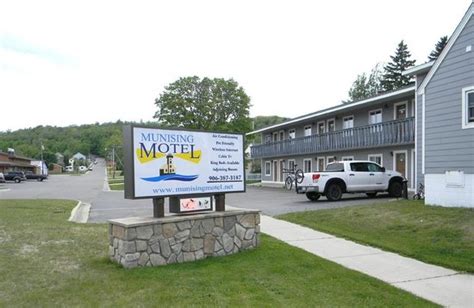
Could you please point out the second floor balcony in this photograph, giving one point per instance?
(370, 136)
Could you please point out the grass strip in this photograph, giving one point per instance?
(437, 235)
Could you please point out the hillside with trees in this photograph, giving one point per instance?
(96, 139)
(87, 139)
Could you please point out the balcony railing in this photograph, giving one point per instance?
(376, 135)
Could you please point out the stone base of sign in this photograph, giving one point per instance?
(147, 241)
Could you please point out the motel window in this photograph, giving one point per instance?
(321, 127)
(331, 125)
(268, 138)
(291, 165)
(321, 165)
(292, 134)
(470, 106)
(347, 158)
(375, 116)
(400, 111)
(307, 130)
(282, 135)
(376, 158)
(348, 122)
(307, 165)
(268, 168)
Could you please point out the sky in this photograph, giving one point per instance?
(70, 63)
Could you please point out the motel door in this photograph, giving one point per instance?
(282, 167)
(400, 163)
(275, 170)
(321, 164)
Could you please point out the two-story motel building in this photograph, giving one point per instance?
(380, 129)
(424, 131)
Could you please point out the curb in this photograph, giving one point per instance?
(80, 213)
(106, 182)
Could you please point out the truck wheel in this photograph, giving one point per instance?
(312, 196)
(371, 195)
(334, 192)
(17, 181)
(395, 189)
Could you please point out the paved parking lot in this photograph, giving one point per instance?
(106, 205)
(276, 201)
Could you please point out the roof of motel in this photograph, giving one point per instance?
(386, 96)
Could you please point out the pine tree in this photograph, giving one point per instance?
(393, 78)
(438, 48)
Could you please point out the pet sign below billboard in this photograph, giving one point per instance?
(167, 162)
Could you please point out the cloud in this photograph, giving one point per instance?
(13, 44)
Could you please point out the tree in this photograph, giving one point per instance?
(438, 48)
(359, 89)
(261, 122)
(48, 157)
(392, 78)
(210, 104)
(364, 86)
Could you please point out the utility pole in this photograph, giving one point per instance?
(113, 162)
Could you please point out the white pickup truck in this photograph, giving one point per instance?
(349, 177)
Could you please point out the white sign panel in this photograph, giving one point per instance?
(175, 162)
(195, 204)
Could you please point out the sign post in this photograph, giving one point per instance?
(220, 202)
(158, 207)
(161, 163)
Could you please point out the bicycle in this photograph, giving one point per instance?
(420, 193)
(290, 178)
(294, 176)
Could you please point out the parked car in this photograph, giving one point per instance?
(82, 168)
(2, 178)
(69, 169)
(16, 176)
(32, 176)
(349, 177)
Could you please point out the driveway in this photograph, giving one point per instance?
(84, 187)
(89, 188)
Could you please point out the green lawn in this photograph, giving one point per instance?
(438, 235)
(47, 261)
(115, 181)
(252, 181)
(118, 186)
